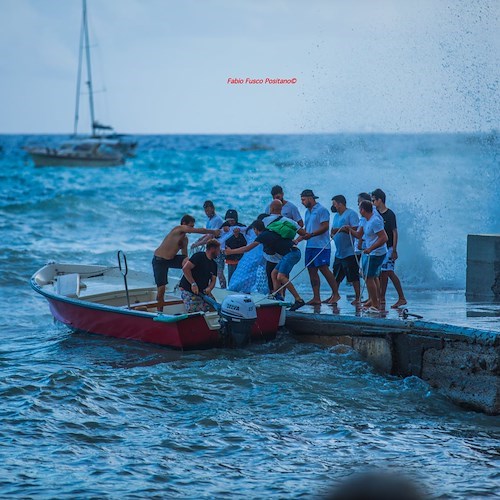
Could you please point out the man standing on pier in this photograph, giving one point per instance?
(387, 271)
(318, 249)
(288, 209)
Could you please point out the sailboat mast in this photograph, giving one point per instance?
(89, 69)
(78, 80)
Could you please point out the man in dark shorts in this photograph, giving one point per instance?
(200, 275)
(345, 263)
(387, 272)
(166, 256)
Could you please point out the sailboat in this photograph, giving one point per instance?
(103, 148)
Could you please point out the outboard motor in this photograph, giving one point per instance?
(237, 317)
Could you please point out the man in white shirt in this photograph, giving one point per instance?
(318, 249)
(375, 238)
(288, 209)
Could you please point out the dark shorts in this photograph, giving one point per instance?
(372, 265)
(161, 267)
(317, 257)
(347, 267)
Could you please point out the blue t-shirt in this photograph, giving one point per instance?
(343, 241)
(288, 210)
(313, 219)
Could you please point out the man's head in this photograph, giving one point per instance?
(277, 193)
(366, 209)
(231, 217)
(378, 197)
(258, 226)
(187, 220)
(275, 207)
(339, 204)
(308, 198)
(364, 196)
(212, 248)
(209, 208)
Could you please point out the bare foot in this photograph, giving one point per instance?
(327, 301)
(399, 303)
(367, 303)
(334, 299)
(356, 303)
(313, 302)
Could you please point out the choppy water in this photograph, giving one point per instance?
(82, 416)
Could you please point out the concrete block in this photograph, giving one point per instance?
(483, 267)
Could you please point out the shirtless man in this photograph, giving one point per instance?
(167, 256)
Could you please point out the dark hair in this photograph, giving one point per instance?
(366, 206)
(365, 196)
(276, 190)
(213, 243)
(187, 219)
(259, 225)
(379, 195)
(340, 198)
(208, 203)
(262, 216)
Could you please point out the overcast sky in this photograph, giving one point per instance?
(360, 65)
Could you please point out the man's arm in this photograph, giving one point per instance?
(247, 248)
(323, 228)
(356, 233)
(381, 239)
(394, 244)
(200, 230)
(211, 286)
(187, 270)
(202, 241)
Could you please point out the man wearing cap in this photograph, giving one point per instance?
(345, 264)
(288, 209)
(214, 221)
(318, 250)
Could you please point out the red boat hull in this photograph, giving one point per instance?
(189, 333)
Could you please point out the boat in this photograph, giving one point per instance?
(104, 148)
(116, 302)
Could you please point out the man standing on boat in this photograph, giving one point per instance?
(318, 249)
(167, 255)
(200, 275)
(214, 221)
(288, 209)
(390, 226)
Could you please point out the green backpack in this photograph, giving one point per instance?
(284, 228)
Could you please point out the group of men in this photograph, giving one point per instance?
(365, 247)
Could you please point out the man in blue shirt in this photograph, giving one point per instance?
(318, 249)
(345, 264)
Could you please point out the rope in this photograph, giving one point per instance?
(273, 294)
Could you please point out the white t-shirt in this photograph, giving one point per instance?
(371, 228)
(215, 222)
(288, 210)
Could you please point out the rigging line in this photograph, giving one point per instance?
(78, 81)
(273, 294)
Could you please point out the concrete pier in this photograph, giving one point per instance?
(483, 267)
(461, 362)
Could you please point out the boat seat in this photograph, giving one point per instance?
(68, 285)
(144, 306)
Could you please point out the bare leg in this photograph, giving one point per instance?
(384, 279)
(314, 278)
(282, 279)
(371, 286)
(397, 285)
(357, 291)
(276, 282)
(160, 296)
(330, 278)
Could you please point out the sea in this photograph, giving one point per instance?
(88, 417)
